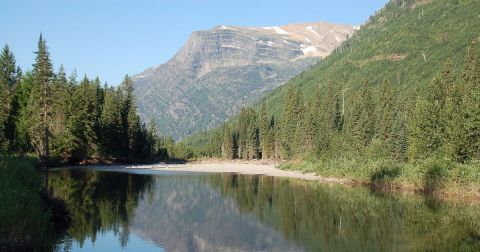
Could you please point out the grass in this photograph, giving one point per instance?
(24, 217)
(432, 176)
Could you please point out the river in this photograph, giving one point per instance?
(143, 210)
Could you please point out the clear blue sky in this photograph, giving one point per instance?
(111, 38)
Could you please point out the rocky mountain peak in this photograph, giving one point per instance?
(235, 61)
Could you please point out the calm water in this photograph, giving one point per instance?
(160, 211)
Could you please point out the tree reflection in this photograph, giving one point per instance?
(99, 201)
(332, 218)
(228, 212)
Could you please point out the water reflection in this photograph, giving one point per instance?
(227, 212)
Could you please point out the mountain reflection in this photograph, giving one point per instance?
(228, 212)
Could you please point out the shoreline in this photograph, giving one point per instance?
(266, 168)
(271, 168)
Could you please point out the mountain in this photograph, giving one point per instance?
(407, 42)
(218, 71)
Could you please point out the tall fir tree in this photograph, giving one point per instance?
(10, 75)
(364, 116)
(386, 117)
(470, 107)
(428, 126)
(41, 100)
(227, 148)
(266, 144)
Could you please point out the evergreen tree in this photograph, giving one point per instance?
(22, 120)
(333, 118)
(9, 77)
(470, 107)
(364, 116)
(399, 138)
(265, 134)
(111, 124)
(386, 117)
(291, 124)
(253, 140)
(227, 148)
(428, 127)
(41, 100)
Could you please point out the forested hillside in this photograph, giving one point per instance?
(65, 120)
(399, 99)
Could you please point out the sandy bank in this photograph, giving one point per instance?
(252, 168)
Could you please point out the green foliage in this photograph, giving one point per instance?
(23, 217)
(10, 76)
(373, 103)
(64, 120)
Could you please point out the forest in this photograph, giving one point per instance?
(65, 120)
(373, 133)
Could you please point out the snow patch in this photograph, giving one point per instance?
(310, 29)
(308, 49)
(268, 43)
(230, 46)
(336, 36)
(224, 27)
(277, 29)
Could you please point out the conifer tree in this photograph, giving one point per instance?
(111, 123)
(227, 148)
(41, 100)
(9, 76)
(470, 107)
(428, 125)
(386, 117)
(265, 133)
(364, 116)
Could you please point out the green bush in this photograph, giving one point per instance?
(23, 221)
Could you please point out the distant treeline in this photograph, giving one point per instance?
(439, 121)
(63, 119)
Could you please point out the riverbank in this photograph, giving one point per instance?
(267, 168)
(431, 178)
(29, 216)
(434, 177)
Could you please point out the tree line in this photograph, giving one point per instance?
(58, 117)
(438, 121)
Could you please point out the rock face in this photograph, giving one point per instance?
(220, 70)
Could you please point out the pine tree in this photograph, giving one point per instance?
(333, 118)
(10, 75)
(470, 107)
(253, 139)
(428, 126)
(386, 118)
(227, 147)
(111, 124)
(363, 121)
(266, 144)
(292, 129)
(399, 138)
(41, 100)
(310, 128)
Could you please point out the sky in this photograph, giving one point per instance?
(111, 38)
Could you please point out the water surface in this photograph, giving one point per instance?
(169, 211)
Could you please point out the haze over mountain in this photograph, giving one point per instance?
(218, 71)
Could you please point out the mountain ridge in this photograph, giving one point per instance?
(220, 70)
